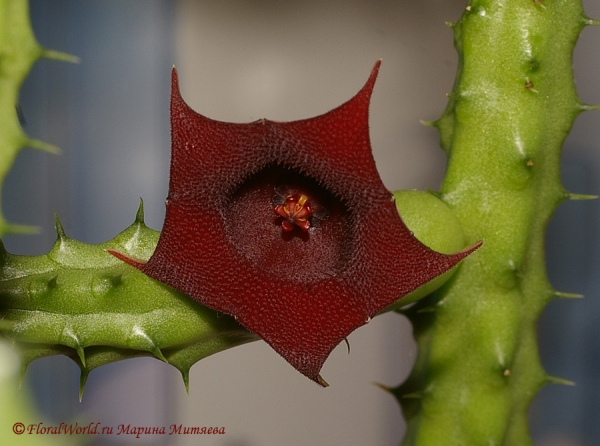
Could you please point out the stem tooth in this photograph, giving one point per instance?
(9, 228)
(24, 365)
(82, 380)
(142, 341)
(413, 395)
(590, 22)
(589, 107)
(562, 295)
(581, 197)
(81, 354)
(558, 380)
(42, 145)
(139, 216)
(59, 55)
(60, 231)
(185, 374)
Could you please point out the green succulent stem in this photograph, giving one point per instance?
(80, 301)
(513, 104)
(19, 50)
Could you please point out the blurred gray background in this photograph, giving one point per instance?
(241, 60)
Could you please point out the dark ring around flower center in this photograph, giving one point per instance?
(286, 224)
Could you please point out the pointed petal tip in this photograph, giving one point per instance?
(321, 381)
(174, 79)
(372, 78)
(133, 262)
(471, 249)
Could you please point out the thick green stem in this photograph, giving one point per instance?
(18, 52)
(513, 104)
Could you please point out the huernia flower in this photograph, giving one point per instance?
(287, 226)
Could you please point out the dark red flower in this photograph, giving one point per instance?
(287, 226)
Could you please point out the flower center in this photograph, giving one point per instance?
(288, 226)
(295, 211)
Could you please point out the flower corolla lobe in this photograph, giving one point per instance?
(287, 226)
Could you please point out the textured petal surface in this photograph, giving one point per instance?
(303, 291)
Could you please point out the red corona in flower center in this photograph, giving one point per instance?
(295, 211)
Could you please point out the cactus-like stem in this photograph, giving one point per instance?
(513, 104)
(19, 50)
(80, 301)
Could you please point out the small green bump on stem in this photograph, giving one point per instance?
(561, 295)
(529, 85)
(581, 197)
(533, 65)
(52, 283)
(116, 280)
(59, 55)
(428, 123)
(558, 380)
(41, 145)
